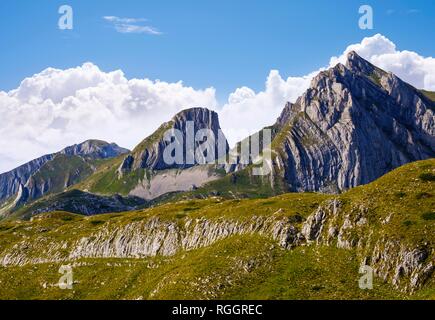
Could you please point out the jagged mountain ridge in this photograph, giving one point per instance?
(55, 172)
(95, 149)
(354, 124)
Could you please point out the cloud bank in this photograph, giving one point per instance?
(56, 108)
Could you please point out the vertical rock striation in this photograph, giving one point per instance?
(354, 124)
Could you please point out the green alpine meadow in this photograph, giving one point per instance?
(220, 248)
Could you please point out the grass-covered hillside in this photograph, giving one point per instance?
(429, 94)
(292, 246)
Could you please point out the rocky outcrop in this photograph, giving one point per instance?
(149, 237)
(175, 157)
(159, 237)
(405, 266)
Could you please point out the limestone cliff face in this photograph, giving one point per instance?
(149, 154)
(354, 124)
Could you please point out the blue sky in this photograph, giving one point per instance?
(224, 44)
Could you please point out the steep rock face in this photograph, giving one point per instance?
(54, 172)
(11, 181)
(149, 154)
(353, 125)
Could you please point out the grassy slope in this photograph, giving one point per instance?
(103, 171)
(406, 195)
(61, 171)
(248, 266)
(429, 94)
(241, 184)
(106, 180)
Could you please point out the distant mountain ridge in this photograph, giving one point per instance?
(95, 149)
(55, 172)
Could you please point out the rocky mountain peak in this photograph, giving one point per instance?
(290, 110)
(149, 154)
(201, 116)
(356, 63)
(95, 149)
(355, 123)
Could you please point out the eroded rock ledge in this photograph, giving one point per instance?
(405, 266)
